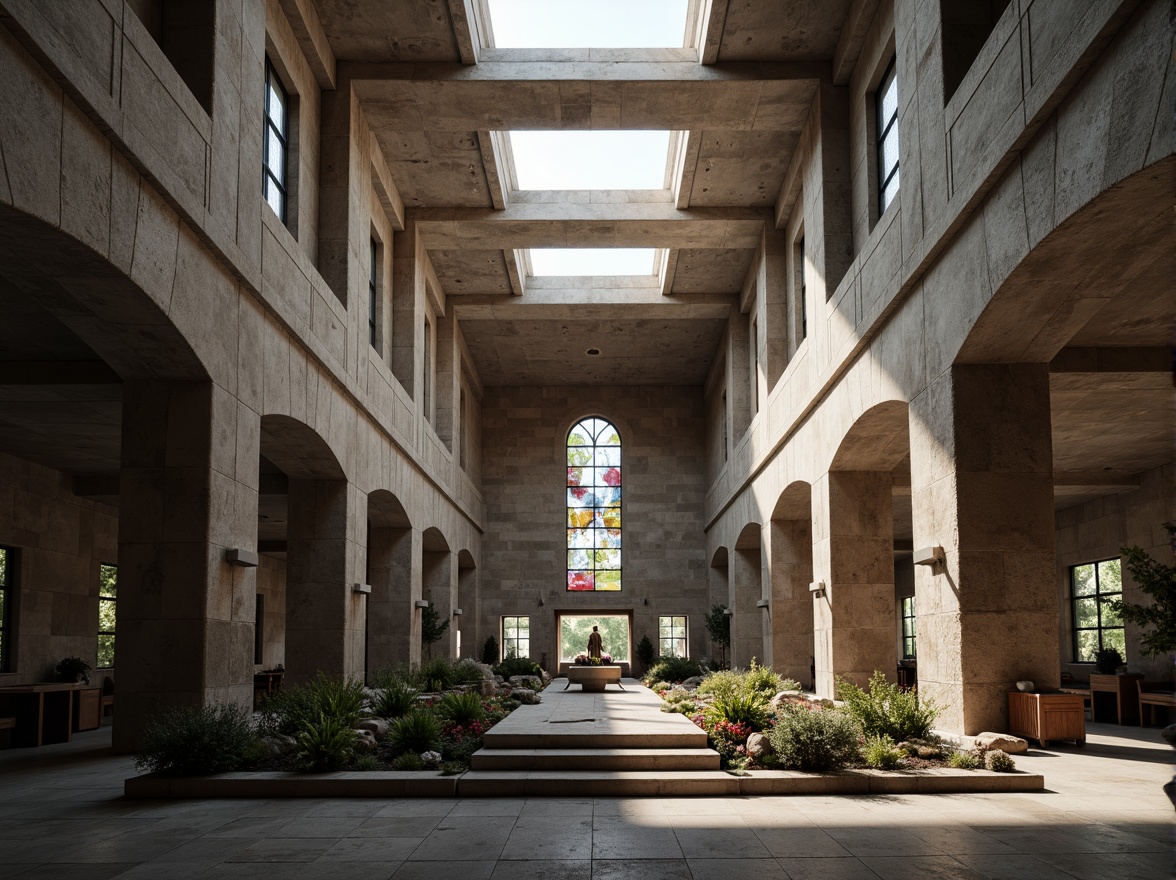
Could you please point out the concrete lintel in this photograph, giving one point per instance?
(96, 485)
(1082, 482)
(710, 29)
(1112, 360)
(307, 28)
(790, 188)
(669, 269)
(465, 30)
(496, 161)
(594, 305)
(686, 165)
(385, 186)
(386, 77)
(853, 37)
(57, 373)
(516, 270)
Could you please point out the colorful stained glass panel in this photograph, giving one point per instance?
(594, 506)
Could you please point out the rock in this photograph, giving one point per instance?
(430, 759)
(524, 695)
(487, 687)
(758, 746)
(378, 726)
(279, 743)
(693, 682)
(365, 741)
(1011, 745)
(533, 682)
(784, 696)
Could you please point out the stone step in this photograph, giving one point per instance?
(687, 737)
(571, 783)
(595, 759)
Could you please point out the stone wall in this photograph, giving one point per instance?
(60, 540)
(271, 585)
(524, 432)
(1097, 530)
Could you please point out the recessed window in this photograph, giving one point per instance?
(276, 142)
(547, 160)
(671, 636)
(908, 628)
(753, 342)
(1096, 626)
(592, 261)
(373, 296)
(574, 630)
(588, 24)
(886, 100)
(107, 614)
(427, 372)
(7, 590)
(801, 289)
(516, 637)
(594, 506)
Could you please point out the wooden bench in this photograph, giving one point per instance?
(1151, 699)
(7, 724)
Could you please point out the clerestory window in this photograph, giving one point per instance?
(276, 142)
(594, 506)
(886, 100)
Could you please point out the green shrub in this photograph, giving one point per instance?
(365, 763)
(887, 710)
(197, 741)
(408, 761)
(516, 666)
(679, 701)
(881, 753)
(394, 700)
(724, 682)
(645, 652)
(749, 708)
(415, 731)
(963, 761)
(765, 680)
(999, 762)
(461, 709)
(490, 650)
(327, 743)
(672, 669)
(815, 739)
(288, 711)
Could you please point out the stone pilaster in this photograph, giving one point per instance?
(395, 579)
(439, 581)
(790, 549)
(747, 627)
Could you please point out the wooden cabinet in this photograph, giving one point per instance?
(1045, 717)
(87, 709)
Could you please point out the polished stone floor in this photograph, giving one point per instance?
(1103, 817)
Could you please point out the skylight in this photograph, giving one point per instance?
(592, 261)
(588, 24)
(590, 159)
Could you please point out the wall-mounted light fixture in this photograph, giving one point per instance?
(644, 601)
(540, 601)
(817, 588)
(242, 557)
(762, 603)
(361, 588)
(728, 612)
(457, 612)
(421, 603)
(929, 556)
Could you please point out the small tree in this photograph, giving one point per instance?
(645, 652)
(432, 628)
(1158, 581)
(490, 651)
(718, 625)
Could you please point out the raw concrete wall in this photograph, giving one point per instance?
(524, 433)
(271, 584)
(61, 540)
(1098, 530)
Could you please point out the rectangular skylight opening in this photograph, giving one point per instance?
(587, 24)
(593, 261)
(582, 160)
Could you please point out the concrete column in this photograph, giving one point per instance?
(982, 488)
(447, 379)
(775, 309)
(747, 637)
(467, 601)
(439, 581)
(324, 616)
(408, 303)
(395, 579)
(185, 628)
(790, 638)
(853, 553)
(739, 376)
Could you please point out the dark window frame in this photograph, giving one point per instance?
(802, 289)
(684, 637)
(516, 640)
(8, 592)
(597, 525)
(1101, 599)
(909, 643)
(373, 294)
(113, 600)
(883, 127)
(270, 176)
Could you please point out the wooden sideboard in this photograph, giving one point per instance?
(1046, 717)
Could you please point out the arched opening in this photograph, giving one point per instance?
(750, 614)
(390, 559)
(719, 583)
(469, 631)
(791, 553)
(439, 588)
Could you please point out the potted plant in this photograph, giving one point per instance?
(1107, 661)
(73, 669)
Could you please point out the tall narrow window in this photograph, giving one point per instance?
(908, 628)
(259, 629)
(372, 297)
(802, 290)
(274, 146)
(463, 430)
(107, 614)
(754, 343)
(1096, 626)
(427, 374)
(516, 637)
(7, 589)
(726, 436)
(671, 636)
(594, 506)
(886, 99)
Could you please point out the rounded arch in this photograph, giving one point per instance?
(878, 441)
(719, 558)
(95, 299)
(794, 503)
(298, 450)
(749, 537)
(465, 559)
(434, 541)
(386, 511)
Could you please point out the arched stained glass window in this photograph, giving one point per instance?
(594, 506)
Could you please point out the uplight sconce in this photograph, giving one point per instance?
(242, 557)
(817, 588)
(930, 556)
(762, 603)
(421, 603)
(361, 588)
(457, 612)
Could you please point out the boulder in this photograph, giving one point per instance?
(524, 695)
(533, 682)
(488, 688)
(784, 696)
(378, 726)
(1007, 743)
(279, 743)
(758, 746)
(693, 682)
(365, 741)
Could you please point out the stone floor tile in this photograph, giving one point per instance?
(1100, 866)
(363, 808)
(622, 840)
(406, 826)
(921, 868)
(550, 839)
(1018, 866)
(546, 869)
(642, 869)
(721, 843)
(465, 838)
(744, 869)
(628, 807)
(863, 840)
(317, 826)
(488, 807)
(67, 871)
(557, 807)
(284, 849)
(809, 841)
(803, 868)
(955, 841)
(445, 870)
(371, 849)
(415, 807)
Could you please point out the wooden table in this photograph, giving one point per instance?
(1120, 693)
(43, 712)
(1047, 716)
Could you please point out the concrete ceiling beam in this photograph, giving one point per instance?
(853, 37)
(1111, 369)
(57, 373)
(465, 30)
(590, 303)
(312, 39)
(1083, 483)
(710, 35)
(495, 161)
